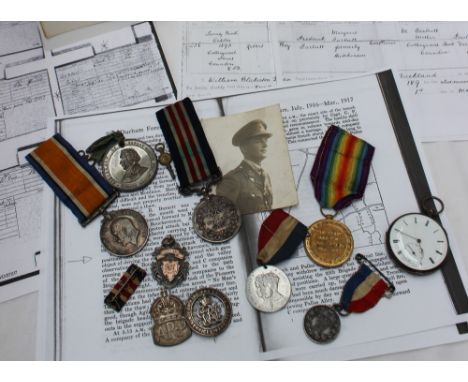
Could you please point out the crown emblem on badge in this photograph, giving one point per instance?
(170, 267)
(170, 327)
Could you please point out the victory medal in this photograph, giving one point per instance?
(339, 175)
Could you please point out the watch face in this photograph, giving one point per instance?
(417, 242)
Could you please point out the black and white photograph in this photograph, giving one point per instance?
(251, 150)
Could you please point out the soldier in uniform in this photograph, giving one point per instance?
(248, 185)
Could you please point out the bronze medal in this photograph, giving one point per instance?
(170, 327)
(329, 242)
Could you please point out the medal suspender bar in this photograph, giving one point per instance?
(77, 184)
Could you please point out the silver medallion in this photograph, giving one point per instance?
(216, 219)
(170, 327)
(322, 324)
(208, 312)
(131, 167)
(171, 266)
(124, 232)
(268, 289)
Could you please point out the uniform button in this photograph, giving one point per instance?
(252, 195)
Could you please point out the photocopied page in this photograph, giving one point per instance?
(431, 54)
(222, 58)
(127, 335)
(419, 303)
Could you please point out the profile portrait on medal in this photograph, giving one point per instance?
(124, 232)
(130, 162)
(266, 287)
(251, 150)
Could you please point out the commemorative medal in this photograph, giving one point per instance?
(362, 291)
(215, 219)
(170, 267)
(170, 327)
(73, 180)
(124, 232)
(208, 312)
(417, 242)
(268, 287)
(127, 164)
(339, 176)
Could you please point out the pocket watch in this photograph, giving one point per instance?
(417, 242)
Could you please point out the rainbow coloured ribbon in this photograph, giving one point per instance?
(341, 168)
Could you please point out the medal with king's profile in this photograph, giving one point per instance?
(170, 267)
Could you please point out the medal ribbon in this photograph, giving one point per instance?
(193, 159)
(363, 290)
(341, 168)
(77, 184)
(279, 236)
(125, 287)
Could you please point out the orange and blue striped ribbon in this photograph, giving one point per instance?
(193, 159)
(77, 184)
(363, 290)
(341, 168)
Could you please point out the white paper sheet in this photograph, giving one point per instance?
(305, 52)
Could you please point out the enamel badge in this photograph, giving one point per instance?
(171, 266)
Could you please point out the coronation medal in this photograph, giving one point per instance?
(361, 292)
(215, 219)
(268, 287)
(339, 175)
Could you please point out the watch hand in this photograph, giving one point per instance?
(412, 237)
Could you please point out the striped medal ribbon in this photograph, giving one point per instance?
(215, 219)
(363, 290)
(193, 159)
(268, 287)
(76, 183)
(339, 176)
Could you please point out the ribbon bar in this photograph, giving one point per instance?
(125, 287)
(77, 184)
(193, 159)
(341, 168)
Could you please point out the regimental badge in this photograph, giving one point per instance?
(170, 267)
(170, 327)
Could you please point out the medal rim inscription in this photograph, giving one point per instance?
(251, 294)
(310, 313)
(309, 246)
(222, 326)
(170, 296)
(133, 186)
(197, 209)
(105, 226)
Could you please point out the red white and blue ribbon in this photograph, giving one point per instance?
(364, 289)
(279, 237)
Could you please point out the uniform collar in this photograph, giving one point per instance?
(254, 166)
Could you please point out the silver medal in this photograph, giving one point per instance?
(216, 219)
(124, 232)
(208, 312)
(322, 324)
(131, 167)
(268, 289)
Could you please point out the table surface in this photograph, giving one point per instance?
(448, 162)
